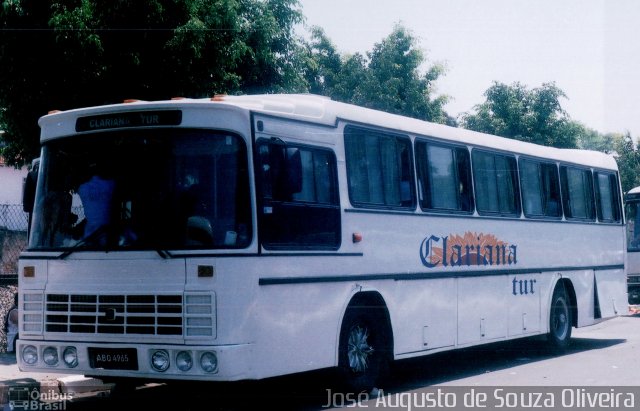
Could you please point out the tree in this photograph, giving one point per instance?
(72, 53)
(528, 115)
(589, 139)
(324, 64)
(388, 78)
(628, 158)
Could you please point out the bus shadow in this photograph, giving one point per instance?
(450, 366)
(8, 358)
(311, 390)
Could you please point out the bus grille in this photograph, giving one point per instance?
(114, 314)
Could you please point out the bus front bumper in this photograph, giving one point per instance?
(148, 361)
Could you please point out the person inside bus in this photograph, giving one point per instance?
(193, 227)
(96, 194)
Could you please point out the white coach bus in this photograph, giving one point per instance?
(632, 213)
(249, 237)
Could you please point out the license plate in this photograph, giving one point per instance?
(113, 358)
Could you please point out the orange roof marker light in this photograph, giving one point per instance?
(54, 111)
(131, 100)
(218, 97)
(178, 98)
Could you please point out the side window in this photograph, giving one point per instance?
(496, 184)
(379, 169)
(540, 189)
(577, 193)
(607, 197)
(299, 192)
(444, 177)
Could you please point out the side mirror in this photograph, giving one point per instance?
(29, 187)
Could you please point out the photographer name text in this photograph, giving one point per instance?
(580, 398)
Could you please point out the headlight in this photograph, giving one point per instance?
(30, 354)
(184, 362)
(70, 357)
(209, 362)
(50, 356)
(160, 360)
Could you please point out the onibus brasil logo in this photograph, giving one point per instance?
(469, 249)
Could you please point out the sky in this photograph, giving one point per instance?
(589, 48)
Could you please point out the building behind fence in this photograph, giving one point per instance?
(13, 237)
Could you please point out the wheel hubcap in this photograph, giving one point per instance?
(560, 319)
(359, 349)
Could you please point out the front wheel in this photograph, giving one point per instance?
(560, 319)
(364, 351)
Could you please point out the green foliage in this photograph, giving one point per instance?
(387, 79)
(589, 139)
(74, 53)
(628, 158)
(537, 116)
(528, 115)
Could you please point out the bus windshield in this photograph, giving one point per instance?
(632, 209)
(143, 190)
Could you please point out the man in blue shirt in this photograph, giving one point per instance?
(97, 199)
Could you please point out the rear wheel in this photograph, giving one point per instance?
(634, 295)
(364, 352)
(560, 319)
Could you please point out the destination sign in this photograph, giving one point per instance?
(129, 119)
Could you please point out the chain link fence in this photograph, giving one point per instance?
(13, 237)
(7, 300)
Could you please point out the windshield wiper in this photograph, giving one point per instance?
(97, 233)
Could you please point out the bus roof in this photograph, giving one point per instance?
(324, 111)
(634, 191)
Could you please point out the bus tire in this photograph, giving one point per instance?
(634, 295)
(560, 319)
(364, 356)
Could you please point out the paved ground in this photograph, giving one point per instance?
(51, 384)
(601, 355)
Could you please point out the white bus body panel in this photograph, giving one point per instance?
(280, 312)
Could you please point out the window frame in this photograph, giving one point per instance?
(616, 201)
(351, 131)
(511, 157)
(423, 176)
(545, 196)
(280, 209)
(564, 186)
